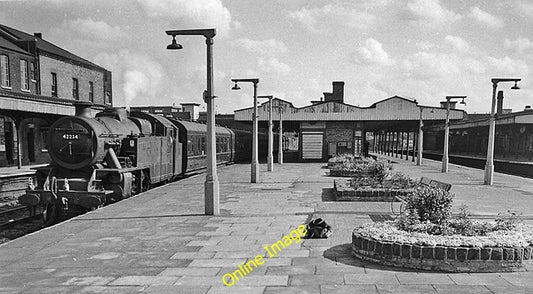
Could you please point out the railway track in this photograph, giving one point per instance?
(17, 222)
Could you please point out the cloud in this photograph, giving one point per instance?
(136, 74)
(316, 19)
(431, 12)
(372, 53)
(506, 66)
(210, 13)
(519, 45)
(272, 64)
(458, 43)
(486, 18)
(265, 47)
(96, 30)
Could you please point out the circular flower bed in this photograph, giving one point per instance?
(500, 251)
(427, 237)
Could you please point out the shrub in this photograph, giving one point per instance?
(509, 220)
(379, 169)
(430, 204)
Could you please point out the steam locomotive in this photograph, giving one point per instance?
(103, 159)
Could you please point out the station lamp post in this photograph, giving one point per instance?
(270, 157)
(421, 136)
(489, 166)
(255, 141)
(280, 147)
(212, 202)
(445, 157)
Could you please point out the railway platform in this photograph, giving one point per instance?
(160, 241)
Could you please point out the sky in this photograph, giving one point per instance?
(419, 49)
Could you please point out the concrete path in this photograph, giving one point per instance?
(160, 241)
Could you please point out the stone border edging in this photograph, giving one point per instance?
(442, 258)
(371, 194)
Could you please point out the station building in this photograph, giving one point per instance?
(330, 126)
(39, 82)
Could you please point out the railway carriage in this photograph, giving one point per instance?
(192, 137)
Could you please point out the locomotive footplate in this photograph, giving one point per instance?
(88, 200)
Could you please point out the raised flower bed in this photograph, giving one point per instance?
(373, 188)
(427, 237)
(351, 166)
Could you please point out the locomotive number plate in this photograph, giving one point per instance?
(71, 136)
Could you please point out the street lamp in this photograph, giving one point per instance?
(445, 158)
(270, 157)
(489, 166)
(211, 189)
(280, 147)
(255, 142)
(421, 136)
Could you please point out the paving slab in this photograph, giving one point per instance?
(161, 241)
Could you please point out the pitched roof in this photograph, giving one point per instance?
(7, 44)
(45, 46)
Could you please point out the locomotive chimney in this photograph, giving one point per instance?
(83, 108)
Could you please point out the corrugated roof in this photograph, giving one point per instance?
(46, 46)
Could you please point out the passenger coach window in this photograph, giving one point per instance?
(190, 147)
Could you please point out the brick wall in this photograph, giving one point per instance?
(65, 72)
(14, 71)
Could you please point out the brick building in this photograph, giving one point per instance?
(39, 82)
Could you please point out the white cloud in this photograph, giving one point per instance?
(205, 12)
(486, 18)
(428, 65)
(137, 75)
(506, 66)
(431, 12)
(519, 45)
(372, 53)
(272, 64)
(96, 30)
(458, 43)
(265, 47)
(316, 19)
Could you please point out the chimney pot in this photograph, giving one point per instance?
(38, 35)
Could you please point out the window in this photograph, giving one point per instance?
(91, 91)
(24, 75)
(32, 71)
(4, 71)
(53, 77)
(75, 89)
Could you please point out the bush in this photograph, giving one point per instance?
(509, 220)
(379, 169)
(430, 204)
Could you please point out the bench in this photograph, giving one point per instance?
(423, 182)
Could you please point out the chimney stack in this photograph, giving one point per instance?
(338, 91)
(83, 108)
(38, 35)
(499, 107)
